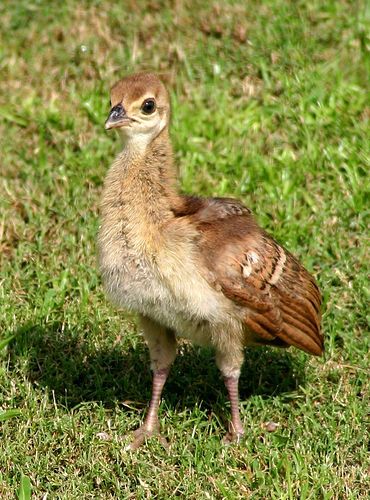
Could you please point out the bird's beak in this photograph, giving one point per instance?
(117, 117)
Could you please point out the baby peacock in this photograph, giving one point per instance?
(192, 267)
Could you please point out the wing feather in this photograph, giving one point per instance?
(280, 299)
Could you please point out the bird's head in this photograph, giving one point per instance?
(140, 108)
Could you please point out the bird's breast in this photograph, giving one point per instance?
(166, 287)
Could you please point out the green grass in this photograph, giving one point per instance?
(270, 106)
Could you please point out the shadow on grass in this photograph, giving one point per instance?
(78, 371)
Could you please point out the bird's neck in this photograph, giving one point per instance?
(140, 188)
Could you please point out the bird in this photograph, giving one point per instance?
(192, 267)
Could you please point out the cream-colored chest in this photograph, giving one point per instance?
(128, 273)
(165, 285)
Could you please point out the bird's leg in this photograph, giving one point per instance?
(151, 423)
(236, 430)
(229, 360)
(150, 427)
(162, 346)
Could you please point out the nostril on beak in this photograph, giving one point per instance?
(116, 114)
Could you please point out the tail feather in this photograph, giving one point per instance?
(297, 338)
(307, 320)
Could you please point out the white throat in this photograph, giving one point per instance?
(136, 141)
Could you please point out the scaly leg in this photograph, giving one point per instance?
(150, 427)
(229, 362)
(162, 347)
(236, 430)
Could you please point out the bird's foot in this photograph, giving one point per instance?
(233, 437)
(142, 434)
(235, 433)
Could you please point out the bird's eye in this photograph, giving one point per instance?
(148, 107)
(110, 103)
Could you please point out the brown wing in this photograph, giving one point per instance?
(281, 299)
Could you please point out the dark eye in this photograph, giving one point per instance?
(110, 104)
(148, 107)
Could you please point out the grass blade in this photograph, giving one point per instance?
(10, 117)
(8, 414)
(5, 342)
(25, 488)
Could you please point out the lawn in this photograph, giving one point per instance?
(270, 105)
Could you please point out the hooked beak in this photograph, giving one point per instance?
(117, 117)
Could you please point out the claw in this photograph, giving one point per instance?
(141, 435)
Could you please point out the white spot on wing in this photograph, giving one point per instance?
(252, 257)
(247, 269)
(279, 267)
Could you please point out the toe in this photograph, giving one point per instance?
(233, 438)
(136, 443)
(141, 435)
